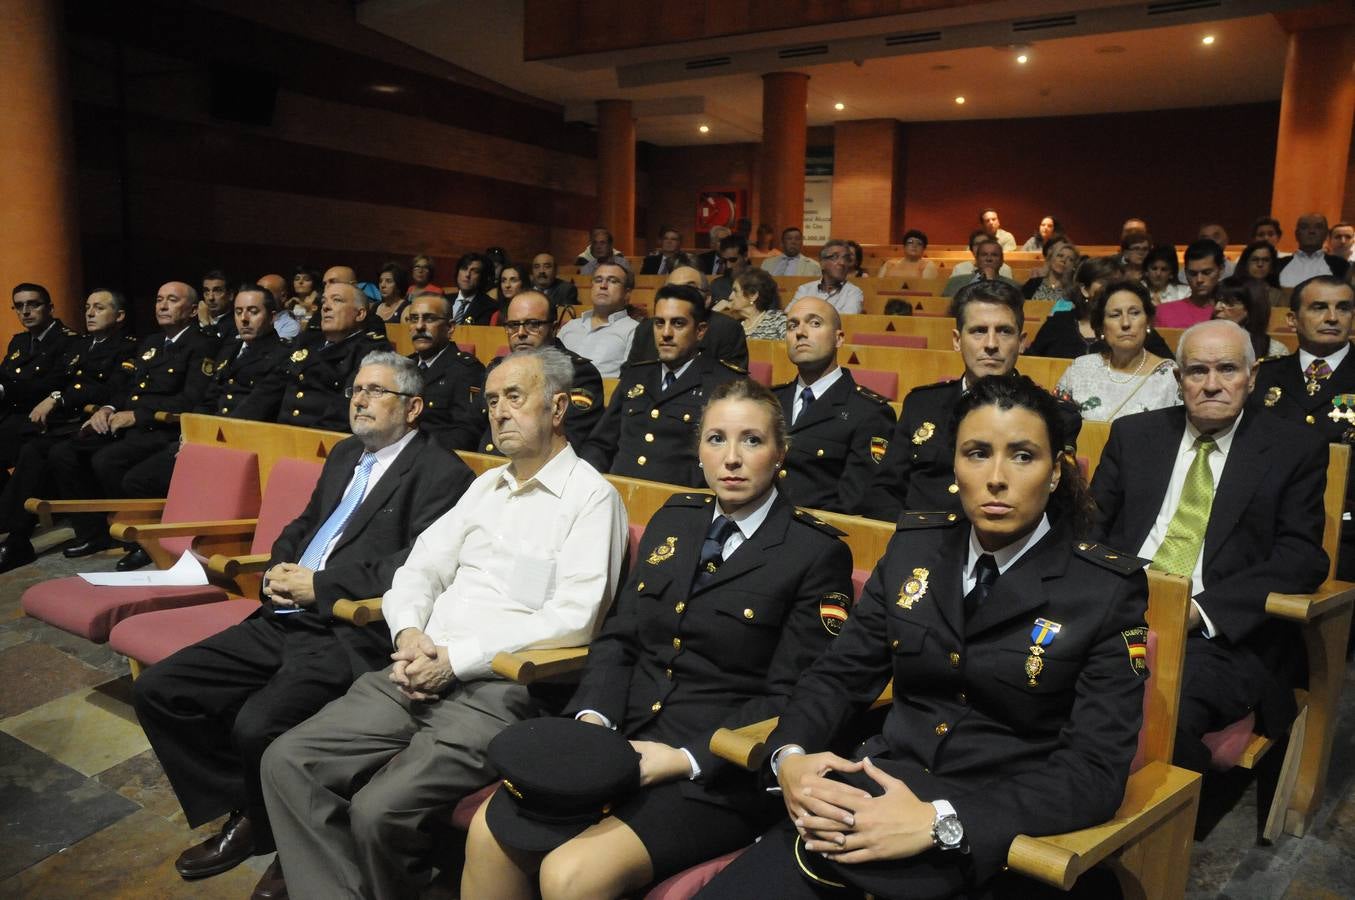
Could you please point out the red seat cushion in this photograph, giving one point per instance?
(464, 811)
(760, 371)
(859, 579)
(73, 604)
(636, 531)
(687, 882)
(886, 384)
(150, 637)
(1226, 746)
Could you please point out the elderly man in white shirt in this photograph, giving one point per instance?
(529, 558)
(835, 259)
(1310, 260)
(603, 335)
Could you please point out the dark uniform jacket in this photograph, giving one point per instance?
(223, 329)
(650, 433)
(93, 373)
(918, 471)
(422, 483)
(235, 377)
(585, 402)
(170, 378)
(478, 311)
(1264, 532)
(307, 390)
(673, 664)
(836, 446)
(451, 411)
(725, 339)
(32, 368)
(966, 724)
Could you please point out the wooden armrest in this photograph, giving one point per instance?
(1330, 597)
(746, 746)
(132, 531)
(1154, 793)
(528, 666)
(359, 612)
(167, 418)
(39, 506)
(231, 566)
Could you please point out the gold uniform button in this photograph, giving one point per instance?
(142, 385)
(300, 394)
(819, 452)
(79, 371)
(170, 371)
(894, 644)
(951, 517)
(296, 412)
(954, 489)
(657, 705)
(135, 397)
(686, 417)
(748, 614)
(489, 448)
(640, 586)
(681, 605)
(1309, 419)
(954, 660)
(77, 385)
(230, 396)
(1083, 546)
(942, 729)
(962, 697)
(781, 474)
(649, 438)
(677, 643)
(224, 409)
(653, 413)
(668, 673)
(641, 460)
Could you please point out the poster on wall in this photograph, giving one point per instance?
(720, 206)
(818, 221)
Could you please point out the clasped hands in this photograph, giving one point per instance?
(846, 824)
(422, 670)
(288, 584)
(106, 421)
(658, 762)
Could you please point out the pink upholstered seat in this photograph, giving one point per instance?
(883, 383)
(464, 811)
(859, 579)
(208, 483)
(466, 347)
(635, 530)
(891, 339)
(151, 636)
(687, 882)
(760, 371)
(1226, 746)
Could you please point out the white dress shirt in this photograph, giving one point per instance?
(1185, 455)
(967, 268)
(384, 457)
(847, 298)
(1303, 266)
(819, 388)
(606, 346)
(1334, 360)
(1005, 557)
(799, 264)
(514, 565)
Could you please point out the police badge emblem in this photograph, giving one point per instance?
(914, 588)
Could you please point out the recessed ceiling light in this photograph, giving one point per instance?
(959, 100)
(839, 106)
(704, 129)
(1023, 59)
(387, 88)
(1207, 40)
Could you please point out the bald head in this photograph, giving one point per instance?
(340, 274)
(277, 286)
(689, 276)
(813, 336)
(1217, 371)
(530, 322)
(176, 304)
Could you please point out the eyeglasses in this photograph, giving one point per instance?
(374, 391)
(531, 326)
(424, 319)
(612, 279)
(23, 305)
(1230, 302)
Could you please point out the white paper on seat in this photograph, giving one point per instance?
(187, 572)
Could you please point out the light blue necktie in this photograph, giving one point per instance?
(334, 525)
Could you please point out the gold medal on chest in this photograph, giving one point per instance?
(634, 392)
(300, 355)
(924, 433)
(1273, 396)
(914, 588)
(149, 355)
(663, 551)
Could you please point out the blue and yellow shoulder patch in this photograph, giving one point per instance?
(1109, 558)
(910, 521)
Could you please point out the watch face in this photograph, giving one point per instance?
(949, 831)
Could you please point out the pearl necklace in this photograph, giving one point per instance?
(1110, 372)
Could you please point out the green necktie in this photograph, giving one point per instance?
(1185, 533)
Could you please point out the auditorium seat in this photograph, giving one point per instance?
(883, 383)
(892, 339)
(215, 487)
(149, 637)
(760, 371)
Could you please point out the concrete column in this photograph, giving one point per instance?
(867, 180)
(1317, 110)
(616, 172)
(781, 195)
(38, 215)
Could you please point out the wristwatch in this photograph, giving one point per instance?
(947, 832)
(55, 396)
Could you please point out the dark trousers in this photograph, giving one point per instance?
(32, 478)
(151, 476)
(1219, 686)
(211, 710)
(93, 465)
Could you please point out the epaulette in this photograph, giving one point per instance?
(641, 362)
(1274, 359)
(690, 500)
(790, 383)
(808, 518)
(933, 386)
(68, 333)
(733, 368)
(377, 335)
(871, 395)
(912, 520)
(1109, 558)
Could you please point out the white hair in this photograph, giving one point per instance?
(1226, 325)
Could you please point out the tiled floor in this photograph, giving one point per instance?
(85, 810)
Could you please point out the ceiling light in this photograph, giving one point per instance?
(387, 88)
(839, 106)
(704, 129)
(959, 100)
(1207, 40)
(1023, 59)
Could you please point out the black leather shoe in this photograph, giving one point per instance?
(220, 852)
(271, 886)
(87, 548)
(12, 556)
(137, 559)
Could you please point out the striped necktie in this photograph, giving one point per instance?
(334, 525)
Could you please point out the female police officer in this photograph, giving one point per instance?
(1017, 658)
(732, 597)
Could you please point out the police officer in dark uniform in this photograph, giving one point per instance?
(169, 374)
(452, 378)
(32, 369)
(1316, 385)
(839, 430)
(649, 428)
(308, 390)
(917, 471)
(216, 312)
(96, 367)
(531, 323)
(244, 361)
(1017, 652)
(731, 597)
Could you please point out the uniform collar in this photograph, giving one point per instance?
(750, 518)
(1008, 555)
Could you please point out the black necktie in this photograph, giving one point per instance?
(712, 550)
(986, 574)
(423, 365)
(668, 380)
(806, 398)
